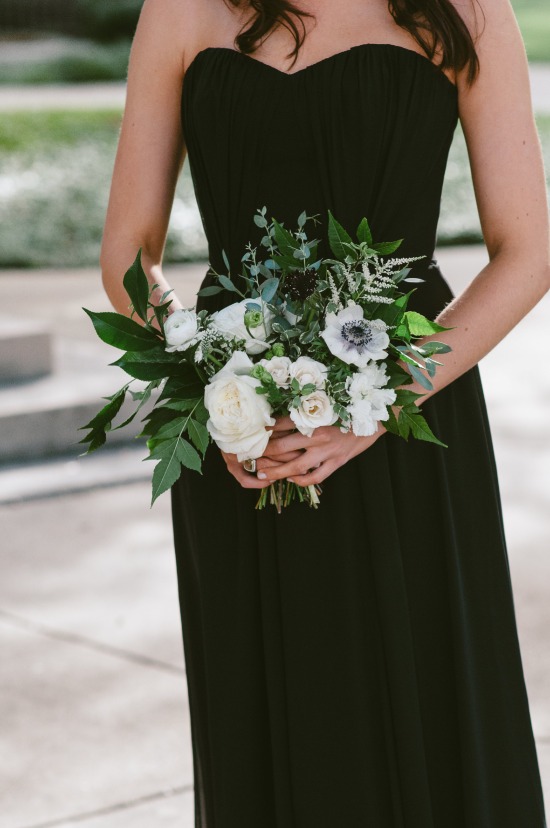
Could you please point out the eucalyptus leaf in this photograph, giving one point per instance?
(211, 290)
(226, 282)
(269, 289)
(420, 377)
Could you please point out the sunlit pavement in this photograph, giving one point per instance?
(95, 725)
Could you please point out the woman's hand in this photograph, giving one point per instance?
(267, 462)
(307, 461)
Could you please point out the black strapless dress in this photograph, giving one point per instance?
(356, 666)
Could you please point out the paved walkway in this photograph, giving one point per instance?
(95, 725)
(111, 95)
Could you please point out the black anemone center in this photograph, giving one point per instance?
(357, 333)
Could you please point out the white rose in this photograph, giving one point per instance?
(279, 368)
(314, 410)
(181, 330)
(308, 371)
(230, 320)
(238, 416)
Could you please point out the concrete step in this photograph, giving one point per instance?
(42, 418)
(25, 350)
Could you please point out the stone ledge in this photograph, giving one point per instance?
(25, 351)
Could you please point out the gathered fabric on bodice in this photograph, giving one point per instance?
(364, 132)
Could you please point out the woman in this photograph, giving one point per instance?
(357, 665)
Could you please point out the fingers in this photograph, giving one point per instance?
(284, 424)
(246, 479)
(298, 467)
(281, 458)
(315, 476)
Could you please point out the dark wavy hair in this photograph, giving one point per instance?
(434, 24)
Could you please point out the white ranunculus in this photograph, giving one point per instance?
(314, 410)
(372, 375)
(308, 371)
(238, 416)
(230, 320)
(367, 408)
(279, 368)
(354, 339)
(181, 330)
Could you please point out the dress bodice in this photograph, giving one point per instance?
(364, 132)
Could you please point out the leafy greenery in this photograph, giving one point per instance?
(362, 279)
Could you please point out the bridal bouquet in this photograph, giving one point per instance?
(321, 340)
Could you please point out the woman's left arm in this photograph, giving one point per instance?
(509, 181)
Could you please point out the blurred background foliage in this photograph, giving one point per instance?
(55, 167)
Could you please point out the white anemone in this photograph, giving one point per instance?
(354, 339)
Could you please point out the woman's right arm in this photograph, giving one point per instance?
(151, 149)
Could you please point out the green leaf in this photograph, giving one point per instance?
(182, 405)
(101, 423)
(122, 332)
(166, 473)
(419, 325)
(148, 365)
(434, 347)
(187, 456)
(286, 242)
(226, 282)
(391, 423)
(143, 400)
(419, 427)
(337, 237)
(421, 378)
(136, 286)
(173, 428)
(406, 397)
(183, 386)
(387, 248)
(210, 291)
(363, 232)
(199, 435)
(225, 260)
(269, 289)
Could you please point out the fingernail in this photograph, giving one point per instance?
(290, 479)
(261, 475)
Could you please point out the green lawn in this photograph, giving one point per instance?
(534, 21)
(54, 183)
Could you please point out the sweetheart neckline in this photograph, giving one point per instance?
(311, 66)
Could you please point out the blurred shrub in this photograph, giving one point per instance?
(107, 20)
(73, 61)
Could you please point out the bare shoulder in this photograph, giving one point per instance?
(497, 40)
(170, 31)
(185, 27)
